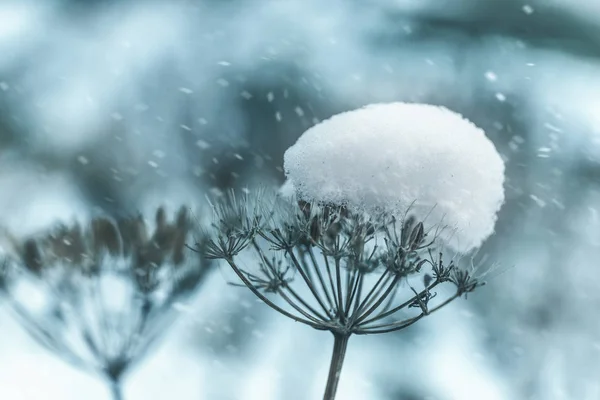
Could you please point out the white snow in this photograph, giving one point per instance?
(203, 144)
(398, 155)
(491, 76)
(527, 9)
(287, 190)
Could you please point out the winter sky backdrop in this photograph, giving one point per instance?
(115, 106)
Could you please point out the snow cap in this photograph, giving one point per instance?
(397, 157)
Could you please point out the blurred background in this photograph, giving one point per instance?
(116, 106)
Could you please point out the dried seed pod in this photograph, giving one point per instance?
(407, 228)
(427, 280)
(161, 218)
(416, 236)
(179, 248)
(133, 232)
(179, 236)
(182, 220)
(32, 256)
(66, 244)
(106, 237)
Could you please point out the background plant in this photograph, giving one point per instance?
(101, 295)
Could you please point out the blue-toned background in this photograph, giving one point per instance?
(116, 106)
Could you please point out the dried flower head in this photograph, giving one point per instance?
(348, 267)
(106, 290)
(335, 268)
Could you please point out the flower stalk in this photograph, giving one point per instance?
(340, 344)
(116, 389)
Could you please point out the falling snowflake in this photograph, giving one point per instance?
(527, 9)
(491, 76)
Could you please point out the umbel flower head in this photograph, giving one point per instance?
(103, 292)
(354, 249)
(333, 268)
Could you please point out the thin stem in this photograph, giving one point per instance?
(273, 271)
(396, 326)
(307, 280)
(352, 290)
(331, 284)
(339, 288)
(116, 390)
(337, 361)
(297, 307)
(250, 286)
(320, 276)
(357, 296)
(46, 338)
(403, 305)
(316, 314)
(364, 303)
(380, 301)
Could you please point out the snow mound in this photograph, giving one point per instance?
(401, 156)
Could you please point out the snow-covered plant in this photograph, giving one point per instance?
(99, 296)
(375, 195)
(398, 156)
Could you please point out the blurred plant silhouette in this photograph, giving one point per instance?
(334, 269)
(100, 296)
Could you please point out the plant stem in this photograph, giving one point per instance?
(337, 361)
(116, 389)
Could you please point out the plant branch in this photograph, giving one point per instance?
(268, 302)
(307, 280)
(403, 305)
(395, 326)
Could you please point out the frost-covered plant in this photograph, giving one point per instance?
(99, 296)
(358, 247)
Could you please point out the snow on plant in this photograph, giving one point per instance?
(99, 296)
(399, 155)
(344, 247)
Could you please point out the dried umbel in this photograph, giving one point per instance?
(335, 269)
(105, 291)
